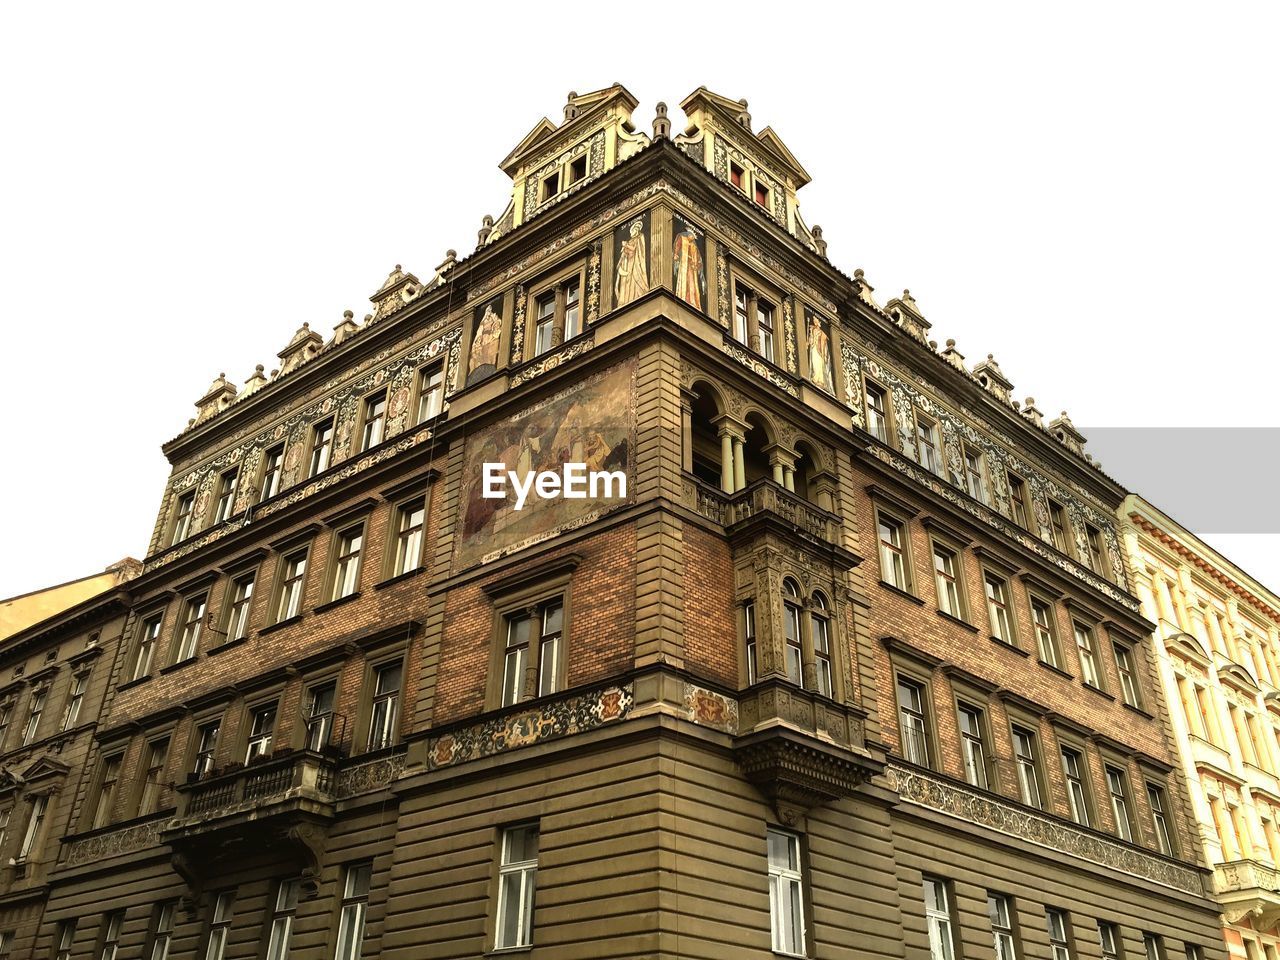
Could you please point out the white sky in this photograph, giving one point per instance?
(1089, 194)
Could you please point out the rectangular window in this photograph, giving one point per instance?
(190, 627)
(975, 475)
(153, 779)
(320, 716)
(375, 419)
(346, 574)
(972, 747)
(877, 413)
(741, 314)
(6, 944)
(1001, 915)
(293, 574)
(385, 714)
(227, 487)
(793, 649)
(410, 518)
(572, 309)
(1077, 798)
(34, 713)
(913, 722)
(820, 632)
(1046, 634)
(163, 934)
(786, 893)
(431, 392)
(550, 186)
(517, 875)
(355, 903)
(220, 925)
(1160, 819)
(998, 613)
(6, 714)
(1058, 526)
(75, 699)
(1109, 939)
(241, 604)
(558, 315)
(281, 933)
(1059, 944)
(736, 176)
(544, 324)
(937, 911)
(578, 170)
(947, 579)
(1025, 756)
(1119, 803)
(1153, 946)
(5, 814)
(927, 444)
(1097, 558)
(749, 631)
(107, 791)
(1088, 658)
(35, 827)
(1018, 500)
(182, 521)
(762, 194)
(206, 747)
(764, 327)
(893, 556)
(65, 940)
(533, 637)
(262, 725)
(321, 447)
(1194, 951)
(272, 469)
(111, 926)
(1128, 675)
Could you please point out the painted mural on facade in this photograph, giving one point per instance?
(631, 260)
(483, 360)
(818, 332)
(689, 262)
(592, 422)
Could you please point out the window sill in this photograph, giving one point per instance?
(399, 578)
(337, 603)
(958, 621)
(226, 646)
(179, 665)
(280, 624)
(136, 681)
(1058, 670)
(508, 951)
(1139, 710)
(1098, 690)
(1011, 647)
(901, 592)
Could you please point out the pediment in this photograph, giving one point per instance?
(45, 767)
(769, 137)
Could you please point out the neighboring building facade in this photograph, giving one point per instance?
(1216, 640)
(837, 658)
(18, 613)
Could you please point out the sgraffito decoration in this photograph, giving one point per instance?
(550, 721)
(517, 327)
(591, 422)
(593, 148)
(791, 348)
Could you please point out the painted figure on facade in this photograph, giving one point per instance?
(631, 272)
(688, 263)
(484, 346)
(820, 371)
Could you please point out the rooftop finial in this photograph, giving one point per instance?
(571, 108)
(819, 244)
(661, 123)
(486, 228)
(744, 117)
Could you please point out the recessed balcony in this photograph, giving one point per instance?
(766, 502)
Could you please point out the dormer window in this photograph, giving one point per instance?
(762, 195)
(550, 186)
(578, 170)
(737, 177)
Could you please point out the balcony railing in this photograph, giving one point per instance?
(765, 497)
(301, 774)
(1247, 889)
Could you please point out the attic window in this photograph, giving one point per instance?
(550, 186)
(578, 169)
(736, 175)
(762, 195)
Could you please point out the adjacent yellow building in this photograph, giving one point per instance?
(1216, 643)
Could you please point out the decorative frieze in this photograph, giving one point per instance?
(366, 777)
(113, 843)
(551, 360)
(974, 806)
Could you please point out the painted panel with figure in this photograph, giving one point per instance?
(689, 262)
(818, 334)
(631, 260)
(592, 423)
(483, 360)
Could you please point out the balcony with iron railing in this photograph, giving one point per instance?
(288, 778)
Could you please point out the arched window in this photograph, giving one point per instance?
(820, 629)
(791, 625)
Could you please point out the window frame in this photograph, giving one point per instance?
(373, 419)
(1131, 692)
(557, 284)
(1060, 946)
(757, 290)
(147, 640)
(1161, 824)
(285, 900)
(1019, 502)
(872, 387)
(957, 577)
(924, 714)
(403, 508)
(145, 783)
(108, 947)
(1123, 810)
(1047, 631)
(423, 379)
(530, 592)
(787, 939)
(978, 739)
(903, 550)
(750, 639)
(526, 870)
(225, 503)
(160, 934)
(1081, 628)
(346, 561)
(237, 613)
(320, 447)
(1022, 728)
(184, 508)
(939, 921)
(353, 910)
(394, 716)
(221, 915)
(1056, 511)
(976, 481)
(204, 760)
(1109, 941)
(1003, 917)
(188, 630)
(933, 432)
(271, 472)
(258, 743)
(281, 583)
(1000, 608)
(1082, 778)
(106, 789)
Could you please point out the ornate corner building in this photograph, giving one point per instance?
(848, 664)
(1217, 633)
